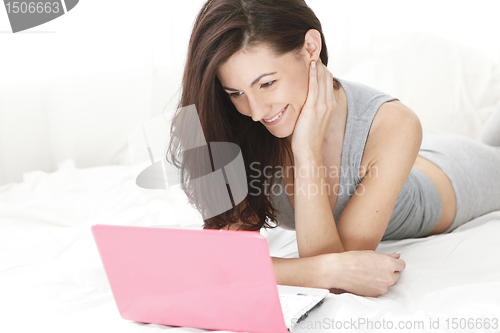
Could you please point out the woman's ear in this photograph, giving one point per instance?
(312, 45)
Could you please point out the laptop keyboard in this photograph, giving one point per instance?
(296, 307)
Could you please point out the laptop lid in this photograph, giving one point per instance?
(210, 279)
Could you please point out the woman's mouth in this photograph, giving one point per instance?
(277, 117)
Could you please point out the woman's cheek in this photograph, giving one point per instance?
(240, 108)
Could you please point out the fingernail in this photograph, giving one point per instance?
(313, 64)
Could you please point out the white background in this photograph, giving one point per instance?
(76, 87)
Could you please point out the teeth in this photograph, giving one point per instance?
(275, 117)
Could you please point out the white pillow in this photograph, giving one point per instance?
(452, 88)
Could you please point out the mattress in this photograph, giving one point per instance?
(51, 276)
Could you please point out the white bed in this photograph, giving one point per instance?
(51, 276)
(52, 279)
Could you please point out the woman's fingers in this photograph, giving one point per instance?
(400, 265)
(321, 100)
(397, 275)
(312, 94)
(326, 97)
(316, 113)
(395, 255)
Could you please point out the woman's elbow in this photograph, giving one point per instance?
(360, 244)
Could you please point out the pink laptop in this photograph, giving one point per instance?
(210, 279)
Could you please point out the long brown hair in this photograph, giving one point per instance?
(222, 28)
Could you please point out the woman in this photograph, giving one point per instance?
(256, 71)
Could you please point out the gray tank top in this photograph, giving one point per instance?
(418, 207)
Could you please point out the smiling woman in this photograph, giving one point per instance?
(253, 67)
(241, 73)
(257, 72)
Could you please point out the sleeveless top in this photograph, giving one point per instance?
(418, 207)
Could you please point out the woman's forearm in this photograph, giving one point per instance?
(364, 273)
(314, 223)
(302, 272)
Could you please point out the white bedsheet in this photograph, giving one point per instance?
(52, 279)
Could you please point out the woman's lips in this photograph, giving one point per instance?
(279, 115)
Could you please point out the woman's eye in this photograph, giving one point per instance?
(235, 95)
(268, 84)
(264, 85)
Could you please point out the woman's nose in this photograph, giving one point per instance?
(258, 109)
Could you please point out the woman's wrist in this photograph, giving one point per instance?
(306, 155)
(302, 272)
(308, 159)
(330, 271)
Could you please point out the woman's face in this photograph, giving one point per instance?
(270, 89)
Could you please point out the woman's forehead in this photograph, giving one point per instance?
(245, 65)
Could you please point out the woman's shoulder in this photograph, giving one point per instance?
(393, 122)
(393, 115)
(361, 91)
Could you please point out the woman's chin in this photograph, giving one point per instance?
(281, 132)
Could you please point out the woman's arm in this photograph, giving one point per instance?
(314, 223)
(394, 141)
(365, 273)
(302, 272)
(395, 137)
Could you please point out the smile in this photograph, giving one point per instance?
(276, 117)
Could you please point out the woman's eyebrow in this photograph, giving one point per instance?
(253, 82)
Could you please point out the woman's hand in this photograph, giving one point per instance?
(316, 114)
(364, 273)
